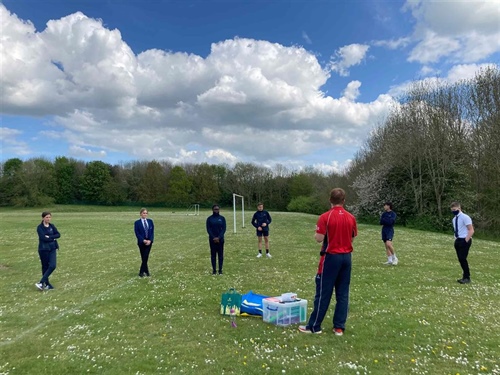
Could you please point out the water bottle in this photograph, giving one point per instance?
(232, 313)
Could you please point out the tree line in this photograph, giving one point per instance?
(440, 143)
(42, 182)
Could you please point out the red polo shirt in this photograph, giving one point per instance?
(340, 228)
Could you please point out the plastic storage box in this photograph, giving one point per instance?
(284, 313)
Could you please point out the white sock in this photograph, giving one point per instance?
(389, 258)
(394, 257)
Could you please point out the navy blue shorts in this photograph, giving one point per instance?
(262, 233)
(387, 234)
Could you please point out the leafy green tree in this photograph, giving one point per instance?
(179, 187)
(483, 112)
(66, 180)
(95, 180)
(439, 144)
(309, 205)
(133, 173)
(37, 184)
(221, 173)
(301, 185)
(251, 181)
(12, 166)
(115, 192)
(153, 184)
(205, 186)
(279, 195)
(10, 181)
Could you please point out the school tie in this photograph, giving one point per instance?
(145, 223)
(456, 226)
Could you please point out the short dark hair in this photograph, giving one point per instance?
(215, 205)
(260, 204)
(45, 213)
(337, 196)
(388, 204)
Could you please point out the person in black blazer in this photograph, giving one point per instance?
(145, 232)
(47, 249)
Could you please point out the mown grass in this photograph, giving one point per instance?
(103, 319)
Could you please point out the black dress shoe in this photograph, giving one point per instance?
(147, 274)
(141, 274)
(463, 281)
(220, 272)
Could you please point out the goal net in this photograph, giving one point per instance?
(242, 199)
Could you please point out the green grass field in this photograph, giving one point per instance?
(102, 319)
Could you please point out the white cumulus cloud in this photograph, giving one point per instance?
(333, 167)
(348, 56)
(351, 92)
(459, 31)
(465, 71)
(249, 100)
(219, 156)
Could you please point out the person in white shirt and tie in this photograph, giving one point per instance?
(145, 232)
(462, 226)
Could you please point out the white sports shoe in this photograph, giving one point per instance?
(259, 255)
(39, 286)
(304, 329)
(388, 263)
(395, 262)
(268, 255)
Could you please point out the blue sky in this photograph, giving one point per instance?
(296, 83)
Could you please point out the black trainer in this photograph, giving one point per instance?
(463, 281)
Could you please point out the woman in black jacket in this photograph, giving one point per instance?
(47, 249)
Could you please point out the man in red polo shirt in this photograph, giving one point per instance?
(336, 228)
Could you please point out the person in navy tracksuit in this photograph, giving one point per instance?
(261, 220)
(47, 249)
(145, 232)
(216, 228)
(387, 220)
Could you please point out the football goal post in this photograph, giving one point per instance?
(242, 210)
(194, 209)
